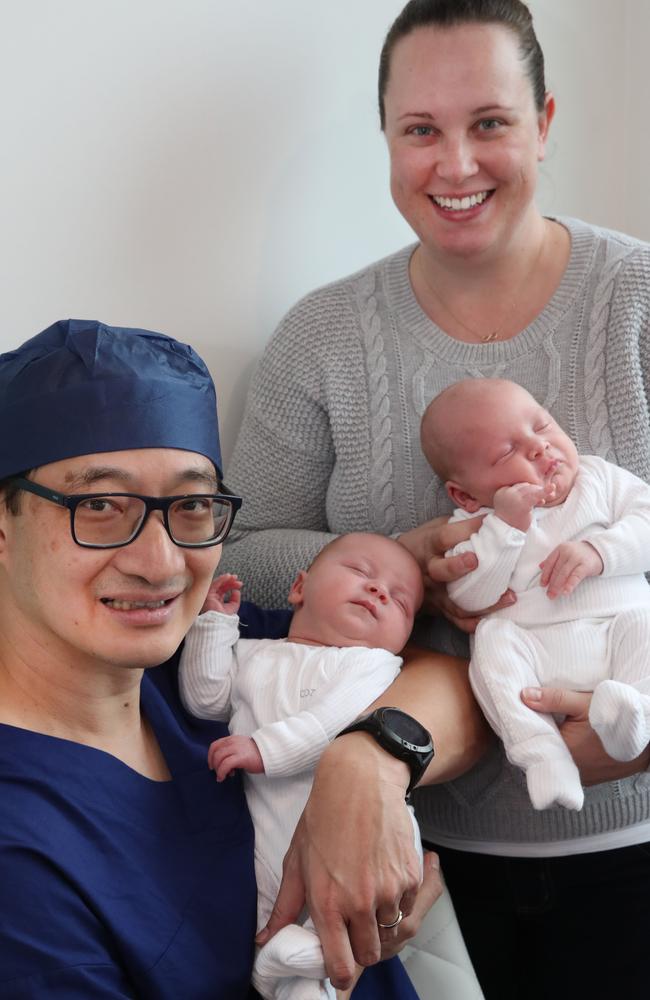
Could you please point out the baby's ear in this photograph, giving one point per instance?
(461, 498)
(295, 593)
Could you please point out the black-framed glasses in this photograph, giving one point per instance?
(111, 520)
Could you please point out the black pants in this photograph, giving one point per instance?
(555, 928)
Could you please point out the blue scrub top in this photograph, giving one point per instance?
(115, 886)
(112, 885)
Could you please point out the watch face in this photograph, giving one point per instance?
(406, 727)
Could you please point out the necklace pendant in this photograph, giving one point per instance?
(490, 337)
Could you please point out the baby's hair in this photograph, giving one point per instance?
(345, 537)
(439, 436)
(360, 534)
(326, 548)
(436, 435)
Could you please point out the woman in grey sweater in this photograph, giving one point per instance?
(330, 444)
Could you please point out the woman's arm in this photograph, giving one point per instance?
(435, 690)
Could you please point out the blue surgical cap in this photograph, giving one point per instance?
(79, 388)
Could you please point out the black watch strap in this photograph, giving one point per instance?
(400, 735)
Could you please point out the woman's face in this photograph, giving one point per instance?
(464, 137)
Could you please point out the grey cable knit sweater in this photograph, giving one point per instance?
(330, 444)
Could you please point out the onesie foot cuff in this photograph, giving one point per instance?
(553, 782)
(619, 714)
(291, 967)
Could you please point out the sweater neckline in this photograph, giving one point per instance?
(430, 336)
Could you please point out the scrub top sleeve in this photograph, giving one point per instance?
(263, 623)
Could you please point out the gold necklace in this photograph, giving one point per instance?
(488, 338)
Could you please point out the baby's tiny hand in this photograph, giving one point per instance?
(514, 504)
(224, 595)
(567, 566)
(232, 752)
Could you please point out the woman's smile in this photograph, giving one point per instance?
(464, 137)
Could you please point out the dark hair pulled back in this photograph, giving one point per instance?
(512, 14)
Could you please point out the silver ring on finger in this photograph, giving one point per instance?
(398, 919)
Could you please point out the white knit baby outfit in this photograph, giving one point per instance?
(293, 699)
(595, 639)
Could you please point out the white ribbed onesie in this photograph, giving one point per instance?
(293, 699)
(595, 639)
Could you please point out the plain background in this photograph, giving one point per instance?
(194, 166)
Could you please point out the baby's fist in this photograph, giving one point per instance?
(514, 504)
(567, 566)
(230, 753)
(224, 595)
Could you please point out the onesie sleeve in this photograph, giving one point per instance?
(624, 546)
(294, 744)
(207, 665)
(497, 546)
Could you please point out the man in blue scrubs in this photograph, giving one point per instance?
(125, 869)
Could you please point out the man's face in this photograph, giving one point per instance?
(126, 607)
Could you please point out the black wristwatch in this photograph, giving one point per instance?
(401, 735)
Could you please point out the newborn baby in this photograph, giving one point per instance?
(570, 535)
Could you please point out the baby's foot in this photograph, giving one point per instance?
(619, 714)
(293, 951)
(555, 781)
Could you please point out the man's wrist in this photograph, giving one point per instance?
(360, 751)
(400, 735)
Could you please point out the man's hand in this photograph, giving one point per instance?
(352, 859)
(428, 544)
(594, 764)
(515, 504)
(224, 595)
(567, 566)
(232, 752)
(393, 940)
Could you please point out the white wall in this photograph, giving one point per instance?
(584, 44)
(194, 166)
(632, 167)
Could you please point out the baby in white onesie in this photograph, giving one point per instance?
(570, 536)
(287, 699)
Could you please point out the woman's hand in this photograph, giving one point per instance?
(594, 764)
(428, 544)
(352, 858)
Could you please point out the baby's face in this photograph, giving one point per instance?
(362, 591)
(509, 438)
